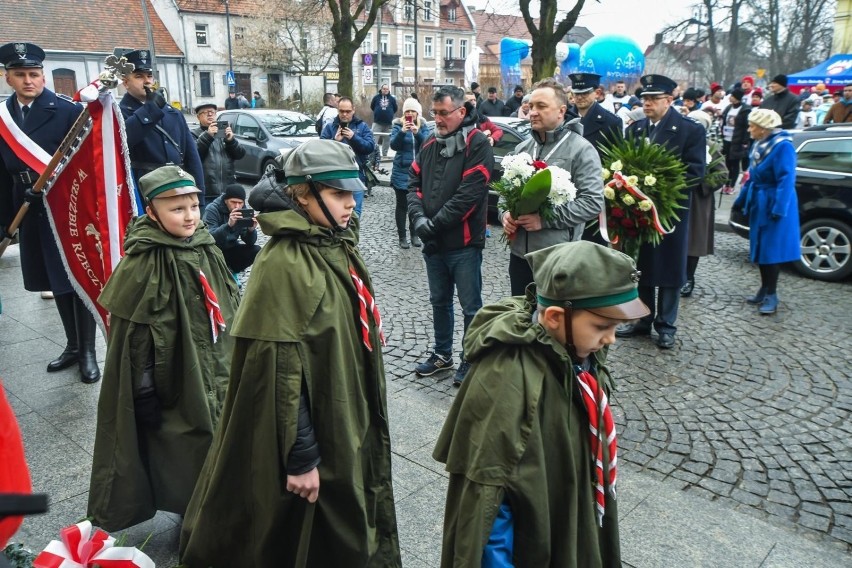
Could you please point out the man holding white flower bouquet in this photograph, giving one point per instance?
(663, 265)
(576, 195)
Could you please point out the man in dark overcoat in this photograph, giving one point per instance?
(157, 134)
(35, 120)
(663, 266)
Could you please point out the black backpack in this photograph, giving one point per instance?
(320, 121)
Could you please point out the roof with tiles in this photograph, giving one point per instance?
(71, 26)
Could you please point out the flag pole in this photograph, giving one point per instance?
(67, 144)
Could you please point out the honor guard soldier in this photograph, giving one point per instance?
(663, 266)
(33, 124)
(599, 125)
(157, 134)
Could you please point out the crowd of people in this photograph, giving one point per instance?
(262, 417)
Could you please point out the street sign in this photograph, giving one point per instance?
(368, 75)
(229, 75)
(368, 59)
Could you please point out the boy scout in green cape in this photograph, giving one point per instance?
(300, 472)
(529, 442)
(168, 353)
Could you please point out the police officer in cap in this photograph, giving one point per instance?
(157, 134)
(36, 117)
(663, 266)
(599, 125)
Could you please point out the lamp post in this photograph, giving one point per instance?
(228, 28)
(414, 9)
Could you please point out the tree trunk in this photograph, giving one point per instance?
(543, 56)
(345, 51)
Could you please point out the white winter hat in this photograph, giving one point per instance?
(765, 118)
(412, 104)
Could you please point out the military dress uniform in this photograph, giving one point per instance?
(157, 136)
(600, 126)
(46, 121)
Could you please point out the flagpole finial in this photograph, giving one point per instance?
(116, 69)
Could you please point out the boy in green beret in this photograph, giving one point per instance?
(171, 299)
(530, 442)
(300, 472)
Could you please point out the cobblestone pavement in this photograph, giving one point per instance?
(747, 409)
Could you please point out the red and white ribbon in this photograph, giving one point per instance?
(22, 145)
(366, 303)
(597, 407)
(211, 302)
(83, 548)
(620, 181)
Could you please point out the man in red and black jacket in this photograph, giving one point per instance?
(447, 203)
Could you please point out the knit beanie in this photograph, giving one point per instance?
(234, 191)
(765, 118)
(780, 79)
(412, 104)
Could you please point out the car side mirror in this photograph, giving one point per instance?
(250, 136)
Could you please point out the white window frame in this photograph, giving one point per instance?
(408, 48)
(205, 30)
(408, 10)
(367, 44)
(429, 47)
(451, 14)
(427, 10)
(462, 49)
(385, 43)
(449, 48)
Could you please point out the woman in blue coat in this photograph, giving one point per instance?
(769, 200)
(407, 135)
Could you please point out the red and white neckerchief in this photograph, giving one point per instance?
(597, 407)
(366, 302)
(211, 302)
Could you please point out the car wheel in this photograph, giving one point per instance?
(826, 250)
(268, 167)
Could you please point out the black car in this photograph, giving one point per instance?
(824, 190)
(266, 134)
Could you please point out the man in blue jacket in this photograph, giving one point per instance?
(157, 134)
(384, 108)
(349, 129)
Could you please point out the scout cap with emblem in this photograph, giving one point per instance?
(167, 181)
(326, 162)
(140, 58)
(590, 277)
(584, 82)
(20, 54)
(657, 85)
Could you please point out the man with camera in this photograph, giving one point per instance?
(217, 148)
(157, 134)
(230, 222)
(349, 129)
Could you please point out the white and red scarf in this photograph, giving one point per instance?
(22, 145)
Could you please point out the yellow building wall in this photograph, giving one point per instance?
(842, 42)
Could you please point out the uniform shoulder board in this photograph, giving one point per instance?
(65, 98)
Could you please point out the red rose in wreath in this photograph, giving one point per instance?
(539, 165)
(628, 223)
(617, 212)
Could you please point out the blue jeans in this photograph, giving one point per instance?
(359, 200)
(460, 270)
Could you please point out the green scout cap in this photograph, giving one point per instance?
(328, 162)
(167, 181)
(589, 276)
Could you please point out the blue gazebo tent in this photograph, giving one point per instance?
(834, 72)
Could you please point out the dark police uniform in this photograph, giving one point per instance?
(47, 121)
(599, 125)
(664, 265)
(157, 136)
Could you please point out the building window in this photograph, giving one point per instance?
(452, 14)
(367, 46)
(239, 35)
(304, 41)
(205, 84)
(408, 11)
(385, 43)
(65, 82)
(448, 50)
(428, 52)
(201, 34)
(449, 81)
(463, 49)
(427, 10)
(408, 48)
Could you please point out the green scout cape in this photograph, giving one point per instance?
(157, 308)
(518, 431)
(298, 327)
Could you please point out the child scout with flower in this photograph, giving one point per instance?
(168, 353)
(300, 472)
(524, 486)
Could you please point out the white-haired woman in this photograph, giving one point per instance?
(769, 200)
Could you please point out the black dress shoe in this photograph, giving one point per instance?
(69, 357)
(686, 289)
(666, 341)
(631, 329)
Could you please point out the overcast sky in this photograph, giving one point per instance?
(636, 19)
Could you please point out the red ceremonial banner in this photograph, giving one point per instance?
(90, 203)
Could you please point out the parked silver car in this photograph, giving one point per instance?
(265, 134)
